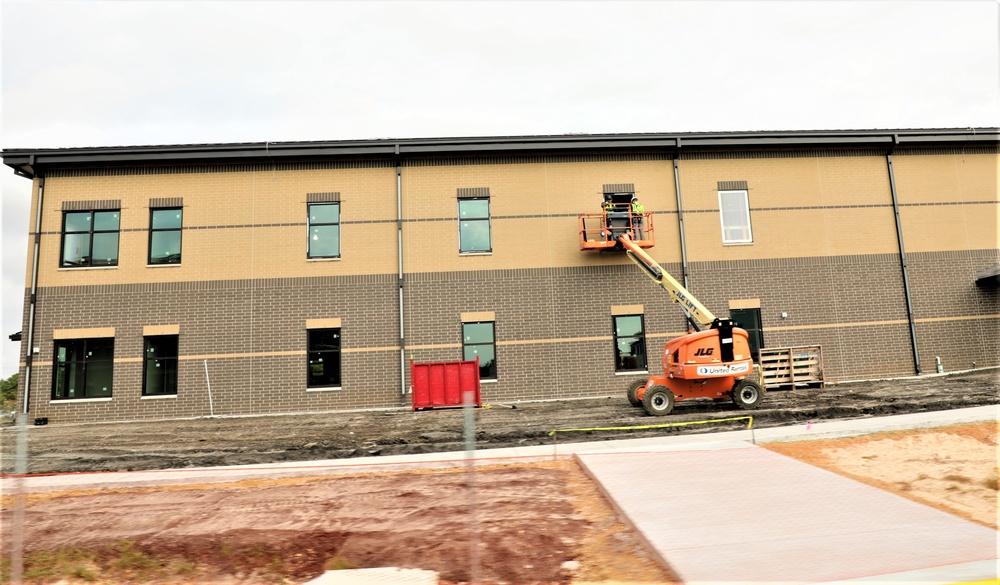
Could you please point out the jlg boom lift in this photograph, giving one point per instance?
(713, 362)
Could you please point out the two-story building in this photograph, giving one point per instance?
(240, 279)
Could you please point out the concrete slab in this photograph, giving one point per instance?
(383, 576)
(747, 515)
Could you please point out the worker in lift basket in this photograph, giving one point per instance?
(637, 211)
(607, 207)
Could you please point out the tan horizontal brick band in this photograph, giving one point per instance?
(329, 323)
(83, 333)
(474, 316)
(161, 330)
(627, 310)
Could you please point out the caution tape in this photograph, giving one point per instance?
(749, 420)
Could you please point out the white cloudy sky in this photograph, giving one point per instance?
(127, 73)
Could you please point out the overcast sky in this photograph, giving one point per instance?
(174, 72)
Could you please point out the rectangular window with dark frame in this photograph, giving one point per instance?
(324, 358)
(84, 368)
(324, 230)
(90, 238)
(479, 340)
(474, 233)
(630, 343)
(159, 373)
(749, 319)
(165, 235)
(734, 212)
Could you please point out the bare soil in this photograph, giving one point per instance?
(267, 439)
(526, 523)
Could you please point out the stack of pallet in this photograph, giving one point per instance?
(787, 368)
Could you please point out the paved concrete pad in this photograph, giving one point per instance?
(745, 514)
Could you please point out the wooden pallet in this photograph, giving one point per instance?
(788, 368)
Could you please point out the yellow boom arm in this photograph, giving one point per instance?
(695, 311)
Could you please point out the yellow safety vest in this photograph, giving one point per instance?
(637, 207)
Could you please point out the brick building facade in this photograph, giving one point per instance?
(238, 279)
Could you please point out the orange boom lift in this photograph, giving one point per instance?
(713, 362)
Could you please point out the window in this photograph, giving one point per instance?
(749, 319)
(83, 368)
(734, 209)
(324, 230)
(474, 225)
(478, 340)
(90, 238)
(159, 373)
(165, 236)
(630, 344)
(324, 357)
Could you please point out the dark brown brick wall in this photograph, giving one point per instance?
(553, 328)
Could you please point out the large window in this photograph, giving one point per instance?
(159, 374)
(749, 319)
(734, 209)
(83, 368)
(324, 358)
(630, 344)
(474, 225)
(165, 235)
(478, 340)
(324, 230)
(90, 238)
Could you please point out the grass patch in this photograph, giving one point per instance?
(338, 563)
(120, 562)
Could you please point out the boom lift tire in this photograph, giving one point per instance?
(633, 392)
(658, 400)
(747, 394)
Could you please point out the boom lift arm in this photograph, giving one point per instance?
(697, 315)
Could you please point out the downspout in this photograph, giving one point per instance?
(32, 298)
(902, 257)
(399, 253)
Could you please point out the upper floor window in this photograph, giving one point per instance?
(83, 368)
(734, 209)
(165, 235)
(474, 225)
(324, 230)
(479, 340)
(630, 343)
(90, 238)
(323, 357)
(159, 374)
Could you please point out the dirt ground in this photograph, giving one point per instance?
(267, 439)
(526, 523)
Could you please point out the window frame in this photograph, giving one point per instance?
(154, 230)
(310, 225)
(726, 231)
(641, 337)
(146, 359)
(488, 219)
(338, 351)
(492, 344)
(86, 365)
(90, 233)
(755, 335)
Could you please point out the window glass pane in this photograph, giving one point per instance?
(165, 247)
(76, 250)
(166, 219)
(628, 325)
(161, 346)
(487, 359)
(161, 365)
(325, 213)
(477, 333)
(78, 221)
(105, 250)
(735, 212)
(106, 220)
(475, 236)
(474, 208)
(99, 375)
(324, 368)
(631, 353)
(324, 241)
(324, 339)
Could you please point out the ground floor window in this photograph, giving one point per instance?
(159, 374)
(749, 319)
(630, 343)
(84, 368)
(324, 358)
(479, 340)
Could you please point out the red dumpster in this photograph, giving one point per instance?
(443, 384)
